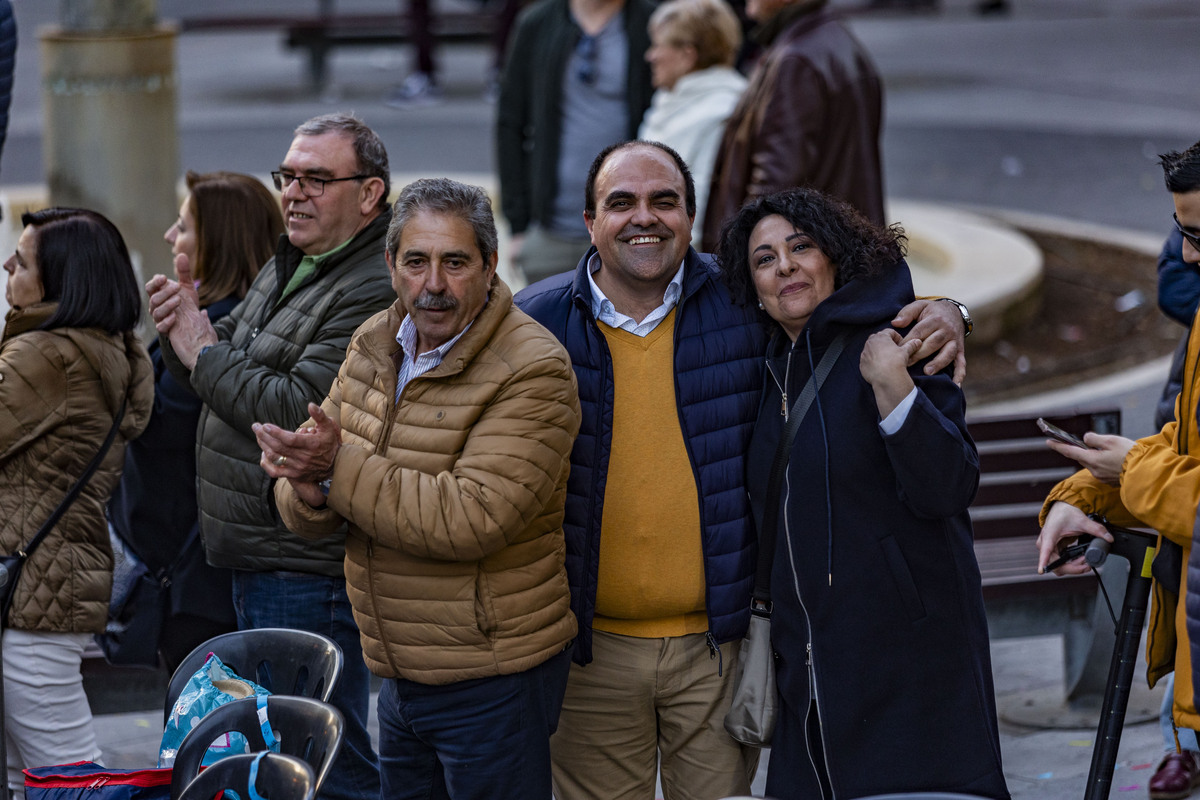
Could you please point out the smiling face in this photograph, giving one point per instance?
(24, 287)
(791, 276)
(669, 59)
(440, 276)
(183, 236)
(316, 225)
(641, 229)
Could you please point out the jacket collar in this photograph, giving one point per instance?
(18, 321)
(766, 33)
(381, 338)
(287, 255)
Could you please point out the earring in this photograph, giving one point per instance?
(760, 306)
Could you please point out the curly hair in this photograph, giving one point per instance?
(856, 247)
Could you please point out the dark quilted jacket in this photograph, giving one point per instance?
(59, 393)
(718, 377)
(273, 359)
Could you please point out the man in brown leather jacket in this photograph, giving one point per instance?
(811, 116)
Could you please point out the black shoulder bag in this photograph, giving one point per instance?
(751, 716)
(11, 566)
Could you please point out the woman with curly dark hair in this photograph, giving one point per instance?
(878, 628)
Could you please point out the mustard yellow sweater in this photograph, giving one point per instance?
(651, 572)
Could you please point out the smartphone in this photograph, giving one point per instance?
(1055, 432)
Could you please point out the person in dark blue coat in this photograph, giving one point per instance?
(8, 61)
(881, 642)
(228, 225)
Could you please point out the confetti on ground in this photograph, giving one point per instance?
(1045, 776)
(1142, 766)
(1080, 743)
(145, 723)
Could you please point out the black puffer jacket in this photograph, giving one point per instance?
(273, 359)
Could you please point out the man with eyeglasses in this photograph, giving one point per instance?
(276, 352)
(576, 81)
(1153, 482)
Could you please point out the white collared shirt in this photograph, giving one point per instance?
(604, 310)
(416, 366)
(899, 413)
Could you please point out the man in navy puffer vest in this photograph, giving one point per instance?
(660, 547)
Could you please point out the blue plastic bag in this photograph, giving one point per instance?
(213, 685)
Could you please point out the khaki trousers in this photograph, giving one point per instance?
(644, 706)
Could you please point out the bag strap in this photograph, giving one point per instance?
(766, 537)
(56, 515)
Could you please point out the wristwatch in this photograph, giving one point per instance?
(966, 315)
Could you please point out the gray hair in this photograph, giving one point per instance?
(444, 196)
(368, 147)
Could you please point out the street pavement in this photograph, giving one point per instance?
(1058, 109)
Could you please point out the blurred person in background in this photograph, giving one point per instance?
(811, 116)
(575, 81)
(71, 364)
(693, 44)
(228, 227)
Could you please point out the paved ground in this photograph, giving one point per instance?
(1057, 109)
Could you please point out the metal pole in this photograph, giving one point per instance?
(1138, 548)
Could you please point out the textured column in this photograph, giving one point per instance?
(111, 139)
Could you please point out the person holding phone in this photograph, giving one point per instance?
(1154, 482)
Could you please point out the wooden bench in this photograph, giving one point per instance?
(319, 34)
(1018, 471)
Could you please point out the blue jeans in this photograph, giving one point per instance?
(483, 739)
(318, 603)
(1187, 737)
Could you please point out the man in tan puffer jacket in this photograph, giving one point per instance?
(445, 445)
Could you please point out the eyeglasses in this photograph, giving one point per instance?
(311, 187)
(1191, 237)
(585, 51)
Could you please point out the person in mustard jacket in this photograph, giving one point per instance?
(1152, 482)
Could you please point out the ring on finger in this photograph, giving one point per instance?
(280, 461)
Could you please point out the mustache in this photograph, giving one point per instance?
(427, 301)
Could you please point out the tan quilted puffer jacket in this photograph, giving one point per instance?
(59, 392)
(454, 498)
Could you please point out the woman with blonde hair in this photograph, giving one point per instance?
(693, 44)
(228, 227)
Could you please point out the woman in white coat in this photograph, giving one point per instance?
(693, 44)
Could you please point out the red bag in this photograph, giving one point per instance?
(87, 779)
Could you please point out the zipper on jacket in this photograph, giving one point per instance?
(783, 387)
(383, 641)
(684, 297)
(808, 654)
(714, 652)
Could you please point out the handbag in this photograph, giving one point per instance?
(755, 705)
(11, 565)
(87, 780)
(138, 609)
